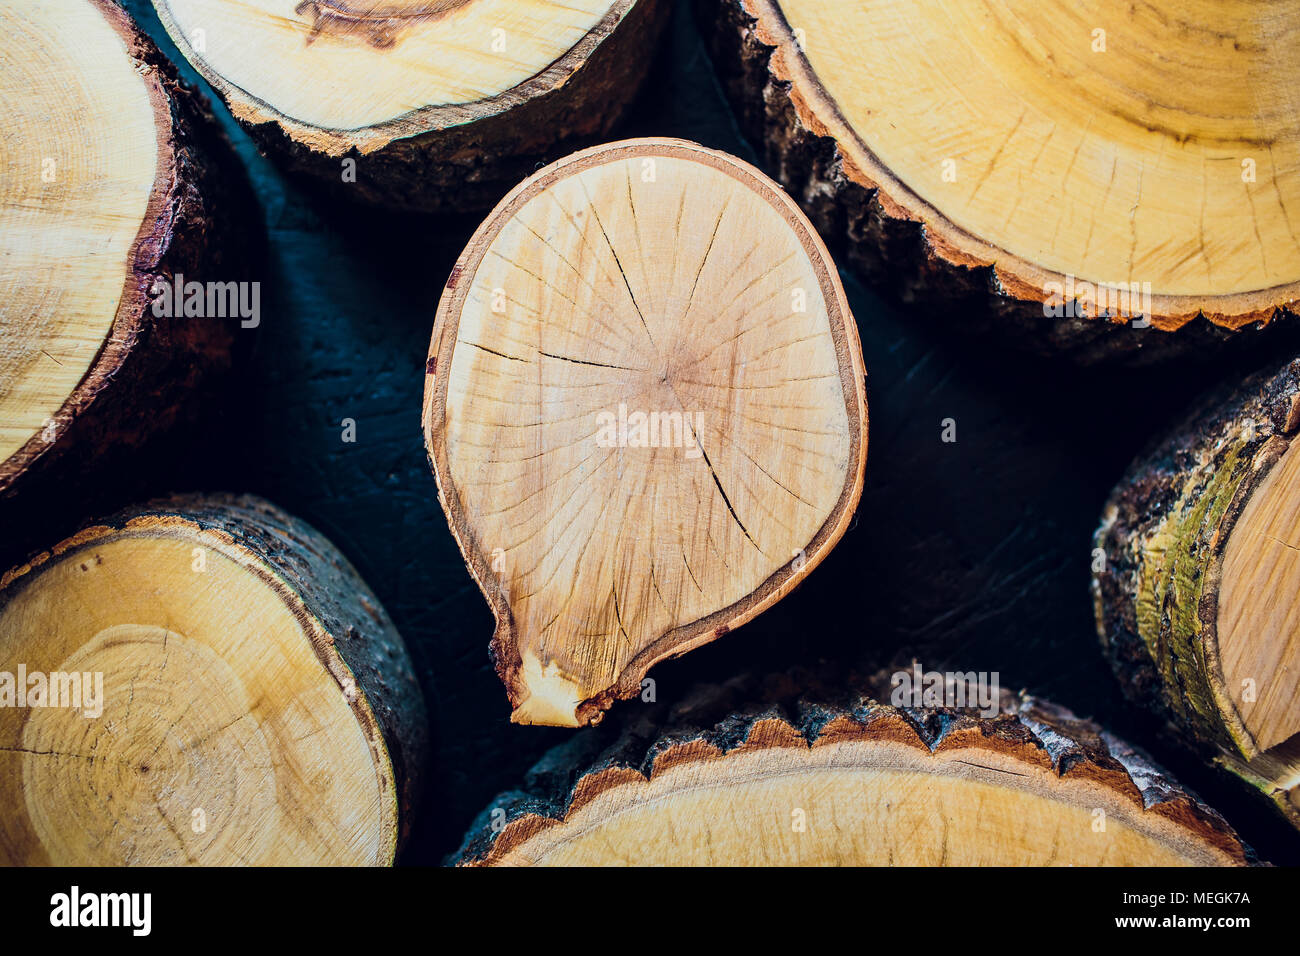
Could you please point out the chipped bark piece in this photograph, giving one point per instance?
(852, 782)
(113, 187)
(990, 157)
(255, 703)
(646, 412)
(427, 105)
(1197, 606)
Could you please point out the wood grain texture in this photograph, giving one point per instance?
(981, 158)
(1195, 605)
(110, 197)
(440, 106)
(848, 781)
(256, 704)
(645, 407)
(979, 545)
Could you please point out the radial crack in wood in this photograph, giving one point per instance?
(1142, 161)
(203, 681)
(1196, 598)
(854, 783)
(646, 411)
(420, 104)
(110, 192)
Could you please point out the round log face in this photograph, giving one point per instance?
(861, 785)
(885, 802)
(74, 204)
(318, 68)
(1072, 151)
(430, 105)
(181, 670)
(122, 189)
(646, 413)
(1045, 144)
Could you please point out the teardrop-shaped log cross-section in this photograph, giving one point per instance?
(646, 411)
(204, 680)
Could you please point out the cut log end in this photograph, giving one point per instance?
(219, 669)
(1042, 164)
(861, 785)
(624, 453)
(436, 104)
(113, 189)
(1195, 605)
(1259, 617)
(80, 207)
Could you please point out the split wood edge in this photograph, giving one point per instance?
(520, 680)
(1164, 534)
(361, 657)
(710, 742)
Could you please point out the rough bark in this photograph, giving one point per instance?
(1163, 536)
(799, 714)
(352, 637)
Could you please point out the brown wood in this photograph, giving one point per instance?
(1196, 601)
(896, 128)
(806, 779)
(255, 703)
(659, 279)
(125, 373)
(438, 106)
